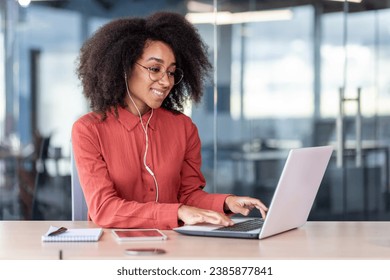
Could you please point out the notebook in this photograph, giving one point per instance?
(291, 203)
(74, 235)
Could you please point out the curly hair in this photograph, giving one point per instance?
(116, 46)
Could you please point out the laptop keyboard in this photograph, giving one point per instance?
(243, 226)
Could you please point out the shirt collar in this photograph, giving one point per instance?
(130, 121)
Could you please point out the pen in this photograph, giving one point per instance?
(58, 231)
(60, 255)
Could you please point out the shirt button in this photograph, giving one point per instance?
(151, 189)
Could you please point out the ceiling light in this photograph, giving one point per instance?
(353, 1)
(24, 3)
(195, 6)
(221, 18)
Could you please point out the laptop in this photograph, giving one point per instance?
(290, 205)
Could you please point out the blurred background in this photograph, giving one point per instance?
(286, 74)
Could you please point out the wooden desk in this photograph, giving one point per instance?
(21, 240)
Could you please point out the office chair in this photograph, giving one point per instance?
(79, 206)
(42, 178)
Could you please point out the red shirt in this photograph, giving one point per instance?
(118, 189)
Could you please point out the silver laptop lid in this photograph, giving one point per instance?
(297, 188)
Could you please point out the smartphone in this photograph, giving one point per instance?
(122, 235)
(144, 251)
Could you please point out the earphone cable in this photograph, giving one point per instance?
(145, 129)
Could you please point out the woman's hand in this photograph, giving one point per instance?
(192, 215)
(244, 204)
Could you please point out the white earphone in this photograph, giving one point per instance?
(145, 129)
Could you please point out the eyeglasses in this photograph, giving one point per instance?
(157, 72)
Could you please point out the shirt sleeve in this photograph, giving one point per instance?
(193, 182)
(105, 207)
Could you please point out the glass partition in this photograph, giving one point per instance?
(2, 75)
(354, 94)
(294, 82)
(265, 100)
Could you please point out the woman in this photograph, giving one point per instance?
(138, 156)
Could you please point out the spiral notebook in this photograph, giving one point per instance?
(74, 235)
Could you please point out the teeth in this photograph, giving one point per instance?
(159, 93)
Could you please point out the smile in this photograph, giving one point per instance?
(157, 92)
